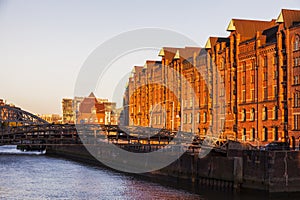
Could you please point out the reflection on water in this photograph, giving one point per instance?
(37, 176)
(40, 177)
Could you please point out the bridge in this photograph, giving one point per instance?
(30, 132)
(19, 127)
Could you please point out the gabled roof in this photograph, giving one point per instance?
(92, 95)
(211, 41)
(187, 52)
(90, 102)
(151, 63)
(168, 52)
(289, 17)
(161, 52)
(248, 28)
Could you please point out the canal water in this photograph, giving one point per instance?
(37, 176)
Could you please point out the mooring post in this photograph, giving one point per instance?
(237, 173)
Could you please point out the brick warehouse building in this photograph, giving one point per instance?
(245, 86)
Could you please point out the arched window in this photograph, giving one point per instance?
(252, 114)
(244, 115)
(296, 43)
(265, 113)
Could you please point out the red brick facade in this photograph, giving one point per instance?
(96, 111)
(245, 86)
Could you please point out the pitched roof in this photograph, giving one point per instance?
(88, 103)
(213, 40)
(180, 53)
(289, 17)
(169, 52)
(248, 28)
(92, 95)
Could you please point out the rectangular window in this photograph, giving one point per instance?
(222, 92)
(198, 118)
(253, 65)
(252, 94)
(265, 76)
(222, 79)
(191, 103)
(265, 134)
(275, 74)
(275, 60)
(296, 122)
(295, 62)
(244, 115)
(265, 113)
(204, 117)
(244, 67)
(265, 64)
(252, 114)
(191, 118)
(243, 80)
(244, 96)
(296, 100)
(295, 80)
(275, 113)
(253, 134)
(244, 136)
(265, 93)
(252, 78)
(185, 118)
(275, 133)
(275, 92)
(222, 107)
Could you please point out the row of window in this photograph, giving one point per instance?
(265, 77)
(265, 134)
(91, 120)
(265, 93)
(188, 118)
(264, 114)
(264, 63)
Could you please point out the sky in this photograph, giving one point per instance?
(44, 44)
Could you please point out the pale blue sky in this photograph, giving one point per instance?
(43, 44)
